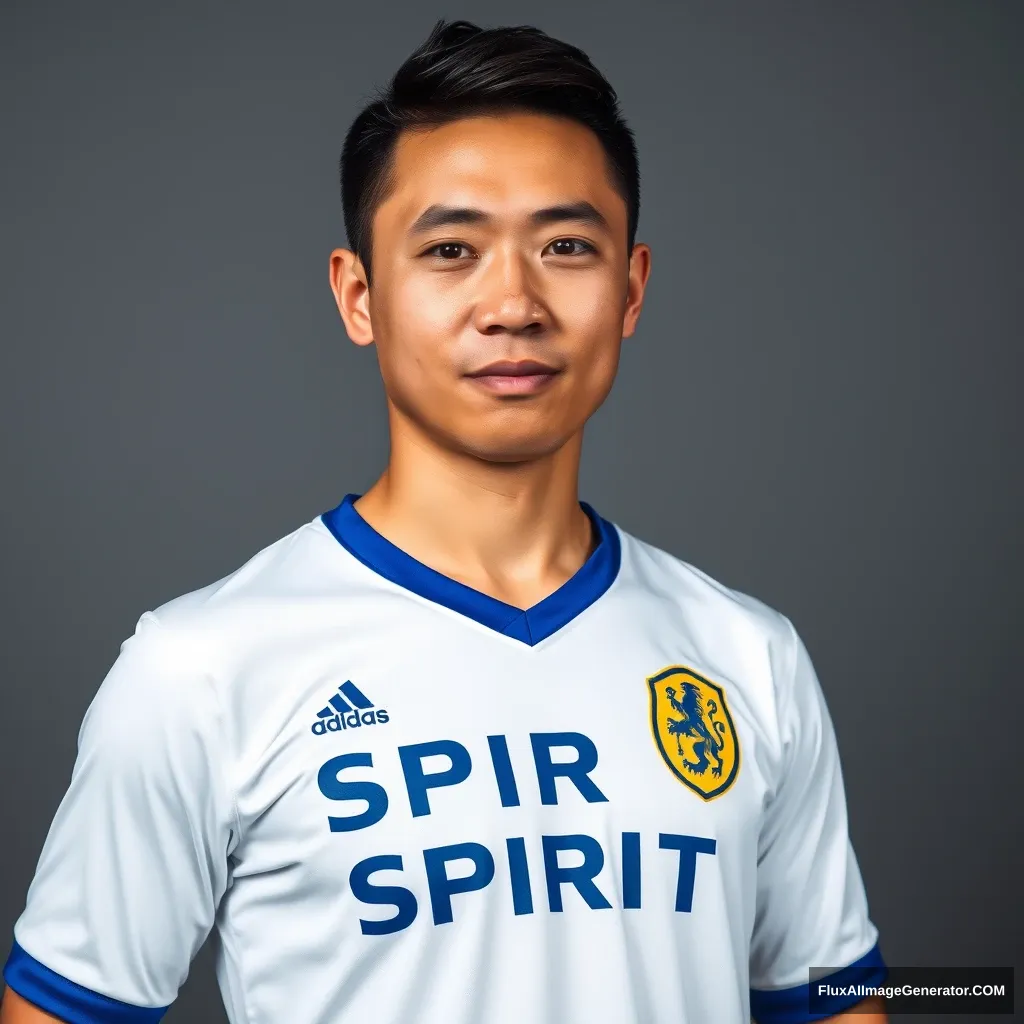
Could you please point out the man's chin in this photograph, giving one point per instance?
(511, 450)
(511, 437)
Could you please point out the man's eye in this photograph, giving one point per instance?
(449, 250)
(570, 247)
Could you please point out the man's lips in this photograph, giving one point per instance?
(513, 368)
(522, 377)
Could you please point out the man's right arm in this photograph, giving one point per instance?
(15, 1010)
(135, 862)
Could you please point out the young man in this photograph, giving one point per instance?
(460, 750)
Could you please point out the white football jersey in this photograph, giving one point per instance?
(399, 800)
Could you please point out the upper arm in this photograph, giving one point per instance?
(811, 912)
(869, 1011)
(15, 1010)
(136, 859)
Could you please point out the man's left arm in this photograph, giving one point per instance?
(811, 918)
(869, 1011)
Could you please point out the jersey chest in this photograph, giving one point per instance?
(418, 771)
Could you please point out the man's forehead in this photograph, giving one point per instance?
(518, 162)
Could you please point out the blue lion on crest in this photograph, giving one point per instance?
(694, 725)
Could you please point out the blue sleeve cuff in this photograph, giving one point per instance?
(68, 1000)
(793, 1005)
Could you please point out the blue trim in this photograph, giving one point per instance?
(530, 626)
(792, 1005)
(68, 1000)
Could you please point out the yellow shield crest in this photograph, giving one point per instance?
(693, 730)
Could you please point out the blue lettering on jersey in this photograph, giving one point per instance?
(581, 876)
(576, 771)
(503, 774)
(688, 847)
(417, 781)
(442, 888)
(442, 884)
(333, 788)
(519, 874)
(630, 870)
(396, 895)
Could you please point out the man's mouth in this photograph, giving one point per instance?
(519, 377)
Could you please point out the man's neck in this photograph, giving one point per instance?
(515, 532)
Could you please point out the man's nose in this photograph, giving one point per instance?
(509, 298)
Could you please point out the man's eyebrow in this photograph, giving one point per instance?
(580, 211)
(438, 216)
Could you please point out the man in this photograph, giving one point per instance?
(460, 749)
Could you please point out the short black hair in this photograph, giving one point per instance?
(462, 70)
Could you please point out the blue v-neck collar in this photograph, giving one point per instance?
(531, 626)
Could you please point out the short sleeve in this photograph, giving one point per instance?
(812, 909)
(136, 859)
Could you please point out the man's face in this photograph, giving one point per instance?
(502, 286)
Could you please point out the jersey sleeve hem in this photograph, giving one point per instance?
(793, 1005)
(68, 1000)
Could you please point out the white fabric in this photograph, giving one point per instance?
(198, 801)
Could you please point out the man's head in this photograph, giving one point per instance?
(491, 198)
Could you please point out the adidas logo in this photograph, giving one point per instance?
(349, 708)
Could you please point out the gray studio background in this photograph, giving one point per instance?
(821, 406)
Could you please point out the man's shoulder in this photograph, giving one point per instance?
(738, 639)
(699, 594)
(271, 571)
(214, 625)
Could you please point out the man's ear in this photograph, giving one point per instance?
(352, 293)
(639, 271)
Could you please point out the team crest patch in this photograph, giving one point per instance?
(693, 730)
